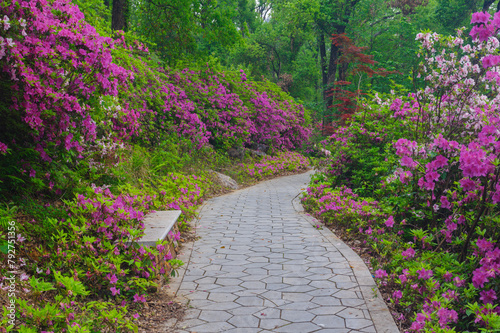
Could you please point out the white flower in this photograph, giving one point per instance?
(20, 238)
(6, 24)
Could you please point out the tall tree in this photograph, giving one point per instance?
(332, 18)
(119, 15)
(185, 29)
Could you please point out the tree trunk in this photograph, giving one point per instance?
(335, 54)
(487, 4)
(322, 54)
(343, 72)
(119, 15)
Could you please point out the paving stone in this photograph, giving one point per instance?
(259, 266)
(192, 322)
(197, 295)
(329, 321)
(250, 301)
(297, 289)
(275, 302)
(297, 297)
(251, 292)
(256, 271)
(351, 313)
(323, 285)
(244, 321)
(369, 329)
(272, 324)
(245, 310)
(346, 294)
(212, 327)
(327, 310)
(216, 306)
(358, 323)
(223, 281)
(227, 289)
(323, 292)
(298, 328)
(209, 315)
(296, 281)
(320, 270)
(276, 286)
(296, 316)
(326, 300)
(205, 280)
(268, 313)
(222, 297)
(253, 285)
(299, 306)
(191, 313)
(244, 330)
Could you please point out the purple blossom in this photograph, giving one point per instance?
(380, 273)
(424, 274)
(408, 253)
(390, 222)
(139, 298)
(114, 291)
(488, 296)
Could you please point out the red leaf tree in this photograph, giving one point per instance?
(352, 62)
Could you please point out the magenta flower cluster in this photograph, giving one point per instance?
(440, 236)
(56, 63)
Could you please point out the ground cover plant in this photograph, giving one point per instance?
(281, 164)
(415, 177)
(95, 134)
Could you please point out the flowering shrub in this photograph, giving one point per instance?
(282, 163)
(211, 105)
(437, 185)
(50, 93)
(95, 252)
(72, 101)
(341, 206)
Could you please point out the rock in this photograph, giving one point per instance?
(236, 152)
(259, 147)
(225, 181)
(256, 152)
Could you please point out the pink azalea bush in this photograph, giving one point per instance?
(96, 249)
(56, 63)
(72, 102)
(436, 180)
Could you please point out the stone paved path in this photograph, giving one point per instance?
(260, 266)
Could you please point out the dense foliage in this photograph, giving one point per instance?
(417, 176)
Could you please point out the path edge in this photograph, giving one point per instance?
(175, 284)
(379, 312)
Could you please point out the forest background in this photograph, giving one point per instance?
(289, 42)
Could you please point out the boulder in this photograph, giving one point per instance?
(225, 181)
(259, 147)
(236, 152)
(256, 152)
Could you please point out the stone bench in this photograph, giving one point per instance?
(162, 225)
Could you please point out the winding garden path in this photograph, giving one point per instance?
(261, 266)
